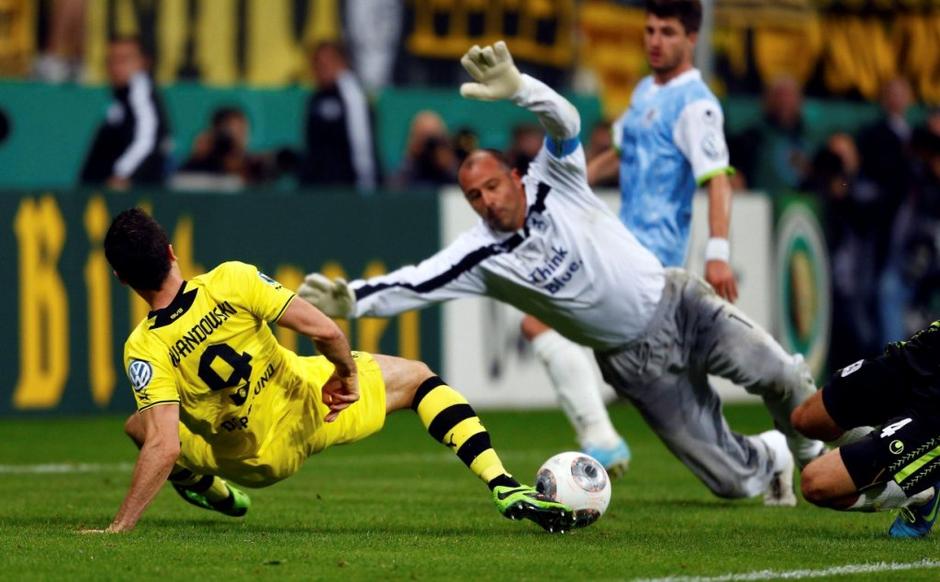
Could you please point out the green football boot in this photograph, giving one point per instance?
(235, 505)
(525, 502)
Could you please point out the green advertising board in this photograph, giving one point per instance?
(64, 316)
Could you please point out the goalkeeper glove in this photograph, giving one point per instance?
(496, 75)
(333, 297)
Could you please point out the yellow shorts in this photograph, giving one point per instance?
(297, 429)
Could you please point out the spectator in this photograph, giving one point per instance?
(910, 283)
(430, 160)
(525, 144)
(339, 131)
(885, 147)
(850, 202)
(61, 60)
(132, 145)
(465, 141)
(773, 155)
(922, 140)
(222, 150)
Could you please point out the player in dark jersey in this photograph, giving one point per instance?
(897, 465)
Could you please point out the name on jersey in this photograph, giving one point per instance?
(200, 332)
(551, 275)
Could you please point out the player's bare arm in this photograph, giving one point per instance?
(342, 389)
(718, 271)
(603, 167)
(159, 452)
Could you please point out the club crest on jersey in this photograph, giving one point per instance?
(269, 280)
(712, 146)
(139, 373)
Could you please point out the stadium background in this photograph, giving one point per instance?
(63, 317)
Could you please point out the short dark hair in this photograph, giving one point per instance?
(136, 247)
(689, 12)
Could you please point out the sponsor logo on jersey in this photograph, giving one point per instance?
(896, 447)
(139, 372)
(553, 275)
(269, 280)
(200, 332)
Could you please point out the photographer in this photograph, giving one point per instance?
(222, 151)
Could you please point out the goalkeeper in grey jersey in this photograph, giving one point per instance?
(548, 246)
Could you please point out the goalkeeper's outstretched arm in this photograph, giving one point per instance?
(496, 77)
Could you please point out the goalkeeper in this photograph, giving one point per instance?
(546, 245)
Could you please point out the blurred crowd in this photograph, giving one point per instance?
(878, 188)
(879, 192)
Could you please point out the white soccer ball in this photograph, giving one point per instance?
(578, 481)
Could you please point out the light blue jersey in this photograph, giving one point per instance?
(670, 139)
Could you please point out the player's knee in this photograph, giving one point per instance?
(813, 485)
(800, 419)
(420, 372)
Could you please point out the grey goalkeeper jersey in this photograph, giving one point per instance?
(573, 264)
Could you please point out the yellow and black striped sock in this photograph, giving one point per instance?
(209, 485)
(451, 420)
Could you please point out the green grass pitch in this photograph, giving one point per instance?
(400, 506)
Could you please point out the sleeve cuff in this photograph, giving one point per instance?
(726, 171)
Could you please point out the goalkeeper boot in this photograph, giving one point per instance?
(915, 522)
(615, 459)
(525, 502)
(779, 491)
(235, 505)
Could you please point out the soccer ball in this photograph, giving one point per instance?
(578, 481)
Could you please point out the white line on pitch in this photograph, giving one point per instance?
(64, 468)
(806, 573)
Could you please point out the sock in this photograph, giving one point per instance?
(575, 383)
(209, 485)
(777, 443)
(887, 497)
(451, 420)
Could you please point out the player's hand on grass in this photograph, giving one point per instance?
(720, 276)
(339, 393)
(331, 296)
(496, 75)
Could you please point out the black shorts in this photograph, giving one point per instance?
(905, 445)
(905, 450)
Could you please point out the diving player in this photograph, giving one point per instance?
(219, 400)
(548, 246)
(669, 141)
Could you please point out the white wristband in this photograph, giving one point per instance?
(718, 249)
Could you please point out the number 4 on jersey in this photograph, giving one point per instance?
(893, 428)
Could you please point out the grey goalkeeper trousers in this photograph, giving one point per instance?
(664, 374)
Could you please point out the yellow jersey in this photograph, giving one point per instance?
(211, 351)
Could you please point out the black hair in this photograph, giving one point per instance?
(137, 249)
(689, 12)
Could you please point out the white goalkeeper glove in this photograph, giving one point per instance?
(497, 77)
(333, 297)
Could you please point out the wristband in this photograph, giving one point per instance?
(718, 249)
